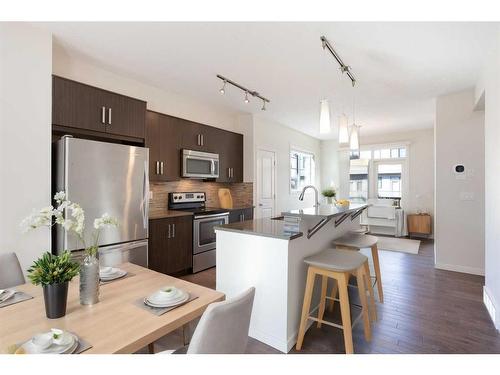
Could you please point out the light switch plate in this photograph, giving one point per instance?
(467, 196)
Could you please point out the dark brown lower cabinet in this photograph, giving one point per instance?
(241, 215)
(171, 245)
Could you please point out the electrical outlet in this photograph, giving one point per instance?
(151, 195)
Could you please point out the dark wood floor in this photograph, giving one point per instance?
(425, 311)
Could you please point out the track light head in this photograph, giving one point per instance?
(223, 88)
(246, 97)
(263, 105)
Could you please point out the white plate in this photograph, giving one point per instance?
(30, 348)
(113, 276)
(161, 297)
(167, 304)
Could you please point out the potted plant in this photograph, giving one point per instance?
(330, 194)
(53, 273)
(72, 217)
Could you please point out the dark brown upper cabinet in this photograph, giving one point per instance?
(230, 157)
(163, 139)
(80, 106)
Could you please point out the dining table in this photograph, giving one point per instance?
(116, 324)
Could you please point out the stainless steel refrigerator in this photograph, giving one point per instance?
(106, 178)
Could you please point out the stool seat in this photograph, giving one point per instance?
(337, 260)
(356, 240)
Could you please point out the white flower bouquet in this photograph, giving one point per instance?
(72, 217)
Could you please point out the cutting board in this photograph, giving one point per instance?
(225, 198)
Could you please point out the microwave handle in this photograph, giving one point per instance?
(212, 167)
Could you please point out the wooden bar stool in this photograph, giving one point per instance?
(337, 265)
(358, 241)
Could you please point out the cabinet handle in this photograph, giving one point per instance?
(199, 140)
(168, 230)
(173, 230)
(109, 116)
(202, 140)
(157, 167)
(103, 115)
(161, 167)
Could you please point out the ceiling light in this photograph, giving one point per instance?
(244, 89)
(354, 139)
(223, 89)
(343, 129)
(324, 117)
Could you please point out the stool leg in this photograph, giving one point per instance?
(376, 264)
(345, 312)
(334, 295)
(368, 283)
(360, 277)
(306, 307)
(322, 302)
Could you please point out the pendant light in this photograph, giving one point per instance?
(354, 136)
(343, 129)
(324, 117)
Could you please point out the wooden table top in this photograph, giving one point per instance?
(115, 324)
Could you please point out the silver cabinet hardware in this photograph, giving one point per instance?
(109, 116)
(161, 167)
(168, 230)
(157, 167)
(173, 230)
(199, 140)
(103, 115)
(202, 140)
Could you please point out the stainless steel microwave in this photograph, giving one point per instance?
(197, 164)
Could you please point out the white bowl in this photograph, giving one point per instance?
(42, 341)
(105, 270)
(63, 338)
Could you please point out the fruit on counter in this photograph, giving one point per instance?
(342, 202)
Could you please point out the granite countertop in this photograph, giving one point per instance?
(163, 214)
(237, 208)
(261, 227)
(324, 211)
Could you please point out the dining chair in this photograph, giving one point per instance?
(223, 327)
(11, 273)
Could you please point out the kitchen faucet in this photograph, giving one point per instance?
(301, 196)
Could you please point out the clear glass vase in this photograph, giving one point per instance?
(89, 280)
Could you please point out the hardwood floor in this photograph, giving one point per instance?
(425, 311)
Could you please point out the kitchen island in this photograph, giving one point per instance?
(268, 254)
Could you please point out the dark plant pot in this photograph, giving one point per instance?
(55, 297)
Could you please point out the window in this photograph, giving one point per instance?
(385, 153)
(358, 181)
(389, 180)
(302, 168)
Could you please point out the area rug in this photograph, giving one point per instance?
(402, 245)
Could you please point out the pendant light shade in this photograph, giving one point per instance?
(354, 138)
(324, 117)
(343, 129)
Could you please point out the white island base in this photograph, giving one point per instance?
(258, 253)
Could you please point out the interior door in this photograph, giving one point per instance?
(266, 183)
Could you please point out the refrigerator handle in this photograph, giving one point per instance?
(145, 200)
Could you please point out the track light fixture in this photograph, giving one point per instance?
(223, 89)
(243, 88)
(343, 67)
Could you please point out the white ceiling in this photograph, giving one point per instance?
(400, 67)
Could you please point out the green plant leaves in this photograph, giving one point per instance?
(52, 269)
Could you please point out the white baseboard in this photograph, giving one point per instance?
(492, 307)
(458, 268)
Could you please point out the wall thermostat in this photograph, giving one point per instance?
(459, 171)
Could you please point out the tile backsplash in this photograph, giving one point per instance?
(242, 193)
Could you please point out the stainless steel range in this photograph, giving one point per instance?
(204, 221)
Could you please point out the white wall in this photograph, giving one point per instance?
(489, 84)
(330, 176)
(459, 224)
(25, 135)
(272, 136)
(420, 167)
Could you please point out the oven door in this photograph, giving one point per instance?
(204, 232)
(196, 164)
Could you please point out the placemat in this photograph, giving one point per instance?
(18, 297)
(129, 274)
(83, 345)
(158, 311)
